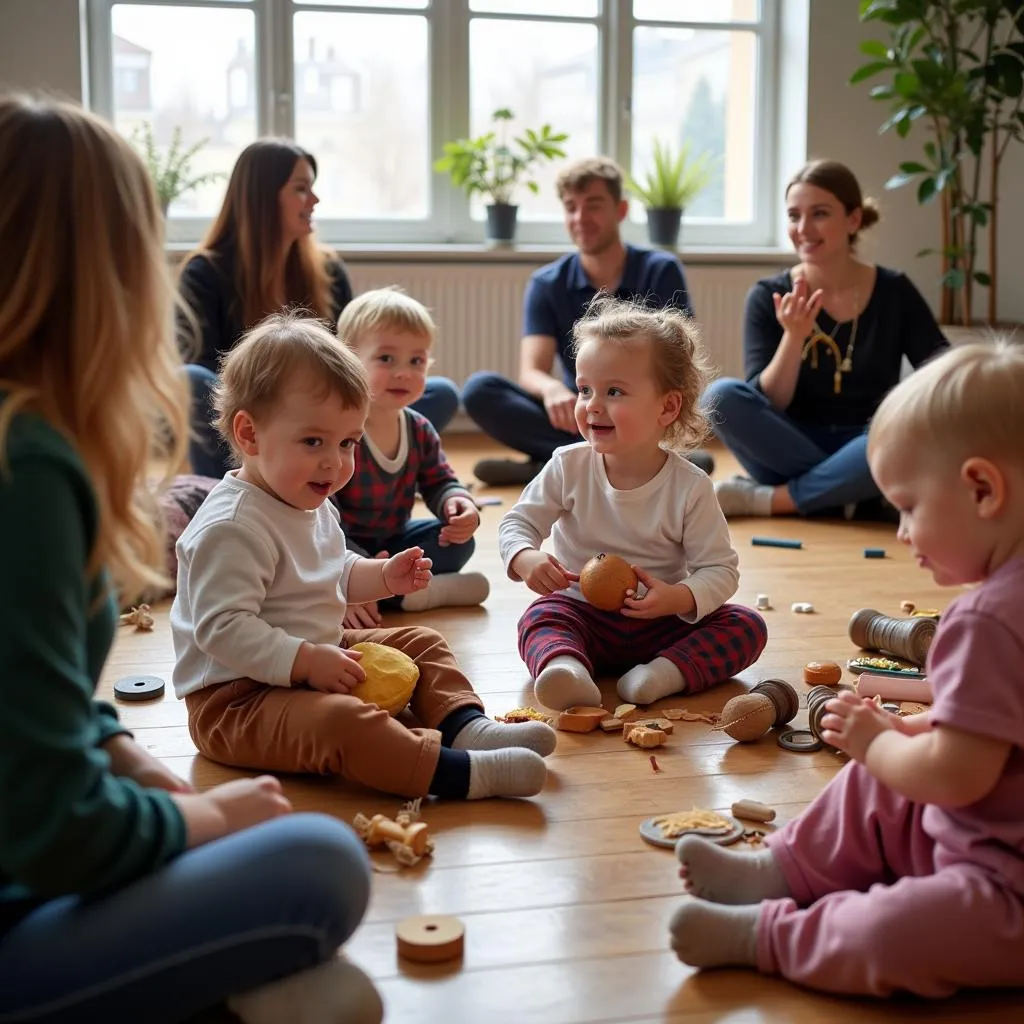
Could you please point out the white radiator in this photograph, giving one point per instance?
(478, 309)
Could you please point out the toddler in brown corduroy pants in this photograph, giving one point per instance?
(264, 579)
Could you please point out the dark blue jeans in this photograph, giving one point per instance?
(209, 455)
(418, 533)
(505, 411)
(824, 467)
(219, 920)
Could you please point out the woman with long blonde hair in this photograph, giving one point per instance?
(259, 257)
(124, 894)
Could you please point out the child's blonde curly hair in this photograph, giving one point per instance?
(678, 360)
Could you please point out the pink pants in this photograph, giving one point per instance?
(871, 915)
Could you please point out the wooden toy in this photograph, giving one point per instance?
(141, 618)
(817, 701)
(391, 677)
(664, 724)
(645, 737)
(624, 709)
(775, 542)
(764, 603)
(406, 836)
(430, 938)
(752, 810)
(604, 581)
(904, 638)
(611, 724)
(822, 673)
(749, 716)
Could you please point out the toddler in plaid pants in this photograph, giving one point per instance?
(628, 490)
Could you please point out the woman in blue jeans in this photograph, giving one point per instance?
(823, 343)
(124, 894)
(258, 257)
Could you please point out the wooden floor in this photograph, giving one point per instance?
(565, 907)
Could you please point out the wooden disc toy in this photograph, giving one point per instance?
(430, 938)
(782, 695)
(822, 673)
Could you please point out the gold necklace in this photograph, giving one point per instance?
(844, 364)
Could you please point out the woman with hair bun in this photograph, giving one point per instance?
(823, 343)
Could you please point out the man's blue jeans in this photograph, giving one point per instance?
(824, 467)
(209, 455)
(221, 919)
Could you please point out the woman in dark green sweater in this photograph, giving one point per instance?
(124, 895)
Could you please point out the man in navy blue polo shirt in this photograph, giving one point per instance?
(536, 415)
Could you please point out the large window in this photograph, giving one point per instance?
(375, 87)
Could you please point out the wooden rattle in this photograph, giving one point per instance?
(749, 716)
(908, 639)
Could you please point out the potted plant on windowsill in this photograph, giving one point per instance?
(672, 182)
(492, 165)
(171, 172)
(957, 67)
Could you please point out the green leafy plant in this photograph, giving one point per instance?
(674, 180)
(956, 67)
(171, 171)
(493, 165)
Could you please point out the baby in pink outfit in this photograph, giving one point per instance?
(907, 872)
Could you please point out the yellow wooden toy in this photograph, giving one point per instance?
(391, 677)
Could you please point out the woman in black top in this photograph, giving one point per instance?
(260, 256)
(822, 343)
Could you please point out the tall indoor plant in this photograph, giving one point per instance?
(956, 66)
(670, 184)
(493, 165)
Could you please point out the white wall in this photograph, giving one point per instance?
(40, 47)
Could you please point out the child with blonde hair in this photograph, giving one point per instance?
(907, 872)
(628, 489)
(124, 894)
(265, 577)
(400, 456)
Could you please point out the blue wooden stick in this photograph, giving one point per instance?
(874, 552)
(775, 542)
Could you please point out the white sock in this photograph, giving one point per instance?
(724, 876)
(486, 734)
(713, 935)
(511, 771)
(334, 992)
(449, 590)
(565, 681)
(645, 684)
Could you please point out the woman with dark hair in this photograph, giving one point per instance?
(258, 257)
(823, 343)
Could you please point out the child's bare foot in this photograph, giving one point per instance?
(722, 876)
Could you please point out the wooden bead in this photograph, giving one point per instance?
(748, 717)
(430, 938)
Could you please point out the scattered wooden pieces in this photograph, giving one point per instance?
(682, 715)
(624, 709)
(406, 836)
(581, 719)
(664, 724)
(611, 724)
(140, 617)
(655, 765)
(646, 738)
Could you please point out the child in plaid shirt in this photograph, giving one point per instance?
(399, 455)
(264, 577)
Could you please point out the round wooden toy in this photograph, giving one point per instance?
(822, 673)
(604, 581)
(905, 638)
(782, 695)
(817, 702)
(430, 938)
(651, 833)
(748, 717)
(139, 688)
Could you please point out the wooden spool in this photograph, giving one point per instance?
(783, 696)
(430, 938)
(817, 700)
(908, 639)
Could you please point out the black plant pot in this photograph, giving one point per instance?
(663, 226)
(501, 223)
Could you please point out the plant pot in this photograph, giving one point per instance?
(663, 225)
(501, 224)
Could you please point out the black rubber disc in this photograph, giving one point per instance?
(139, 688)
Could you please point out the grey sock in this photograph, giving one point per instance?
(645, 684)
(485, 734)
(713, 935)
(565, 681)
(512, 771)
(723, 876)
(449, 590)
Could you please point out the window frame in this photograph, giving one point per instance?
(448, 61)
